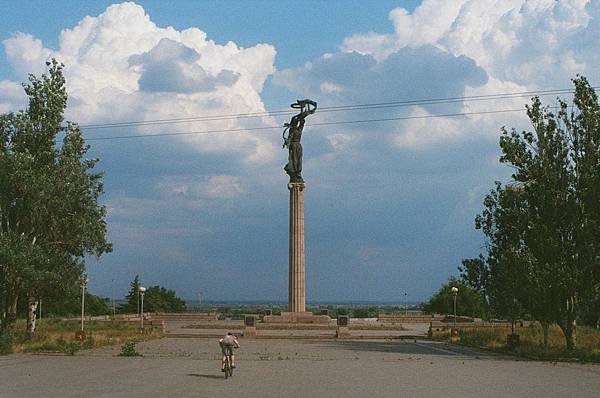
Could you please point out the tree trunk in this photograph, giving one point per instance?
(9, 313)
(570, 332)
(32, 305)
(569, 325)
(545, 328)
(571, 337)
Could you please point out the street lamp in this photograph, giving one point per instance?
(112, 292)
(141, 291)
(405, 304)
(454, 293)
(83, 280)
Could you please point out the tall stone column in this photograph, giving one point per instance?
(297, 295)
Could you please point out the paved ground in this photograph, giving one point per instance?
(188, 367)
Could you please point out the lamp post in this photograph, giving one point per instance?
(405, 304)
(114, 307)
(454, 294)
(141, 291)
(83, 280)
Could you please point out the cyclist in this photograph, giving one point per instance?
(228, 343)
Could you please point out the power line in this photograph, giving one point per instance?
(369, 106)
(312, 124)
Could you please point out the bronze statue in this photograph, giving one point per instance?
(294, 128)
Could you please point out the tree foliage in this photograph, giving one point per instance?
(132, 305)
(70, 305)
(543, 228)
(160, 299)
(156, 299)
(469, 301)
(50, 218)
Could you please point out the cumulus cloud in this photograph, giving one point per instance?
(352, 77)
(12, 96)
(453, 48)
(120, 66)
(172, 67)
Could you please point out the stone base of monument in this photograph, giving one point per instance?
(250, 332)
(297, 317)
(343, 332)
(250, 326)
(343, 327)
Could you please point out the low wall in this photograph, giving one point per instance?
(443, 328)
(399, 318)
(184, 316)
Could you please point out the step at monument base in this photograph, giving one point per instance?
(297, 317)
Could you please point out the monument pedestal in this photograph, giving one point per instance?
(297, 295)
(249, 327)
(297, 317)
(343, 327)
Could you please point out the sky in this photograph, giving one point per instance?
(389, 204)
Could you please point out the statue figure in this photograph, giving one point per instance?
(294, 129)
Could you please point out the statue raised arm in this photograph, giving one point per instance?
(294, 129)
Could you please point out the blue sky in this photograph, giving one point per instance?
(389, 205)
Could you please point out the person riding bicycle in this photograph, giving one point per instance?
(228, 343)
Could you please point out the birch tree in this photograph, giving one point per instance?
(50, 218)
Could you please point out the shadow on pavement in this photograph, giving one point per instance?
(206, 376)
(405, 347)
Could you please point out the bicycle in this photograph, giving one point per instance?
(228, 366)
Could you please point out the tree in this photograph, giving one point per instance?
(468, 300)
(70, 305)
(160, 299)
(156, 299)
(507, 277)
(50, 218)
(132, 304)
(543, 228)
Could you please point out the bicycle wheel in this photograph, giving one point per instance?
(227, 366)
(230, 368)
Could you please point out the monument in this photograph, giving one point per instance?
(297, 293)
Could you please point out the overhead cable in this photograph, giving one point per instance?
(340, 108)
(312, 124)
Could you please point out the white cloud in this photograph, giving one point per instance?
(518, 45)
(224, 187)
(12, 96)
(531, 42)
(122, 66)
(26, 54)
(201, 189)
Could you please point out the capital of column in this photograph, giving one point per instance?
(296, 185)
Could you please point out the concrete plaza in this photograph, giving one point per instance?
(189, 367)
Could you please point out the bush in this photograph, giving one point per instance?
(482, 337)
(6, 339)
(60, 345)
(128, 350)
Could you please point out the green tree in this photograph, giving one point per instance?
(543, 229)
(50, 218)
(132, 304)
(156, 299)
(469, 301)
(70, 305)
(160, 299)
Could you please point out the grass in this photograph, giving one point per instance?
(56, 335)
(531, 343)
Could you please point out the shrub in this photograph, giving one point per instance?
(6, 339)
(481, 337)
(128, 350)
